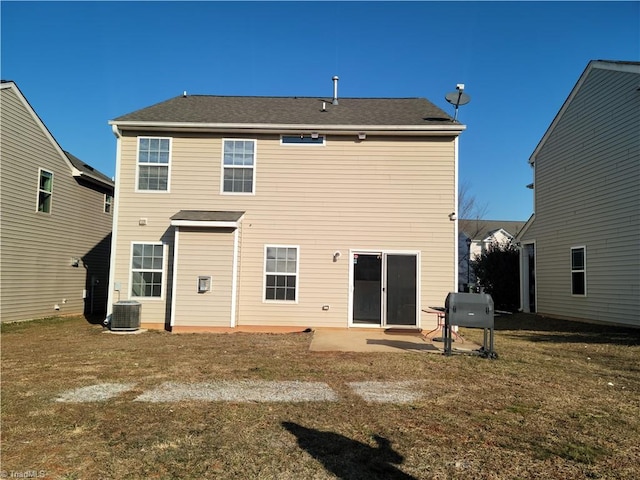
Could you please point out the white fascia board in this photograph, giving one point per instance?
(80, 173)
(204, 224)
(619, 67)
(289, 128)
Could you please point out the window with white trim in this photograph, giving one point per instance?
(45, 191)
(281, 273)
(147, 269)
(108, 202)
(154, 156)
(238, 166)
(578, 271)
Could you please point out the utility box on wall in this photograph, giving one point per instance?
(204, 284)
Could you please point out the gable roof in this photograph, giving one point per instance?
(82, 169)
(293, 113)
(481, 229)
(77, 167)
(619, 66)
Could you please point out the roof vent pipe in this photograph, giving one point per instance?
(335, 90)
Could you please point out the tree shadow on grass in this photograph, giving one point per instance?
(537, 328)
(350, 459)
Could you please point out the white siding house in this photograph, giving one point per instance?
(581, 248)
(475, 236)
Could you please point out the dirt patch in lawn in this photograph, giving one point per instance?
(560, 402)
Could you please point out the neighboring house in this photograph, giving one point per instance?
(581, 248)
(474, 238)
(56, 216)
(284, 212)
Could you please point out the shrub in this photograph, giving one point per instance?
(498, 272)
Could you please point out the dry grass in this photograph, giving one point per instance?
(562, 401)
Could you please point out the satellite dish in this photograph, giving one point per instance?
(457, 98)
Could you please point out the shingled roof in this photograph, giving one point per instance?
(211, 109)
(477, 229)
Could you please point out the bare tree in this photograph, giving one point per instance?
(469, 210)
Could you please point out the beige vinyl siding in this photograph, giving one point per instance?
(37, 248)
(204, 252)
(588, 193)
(384, 193)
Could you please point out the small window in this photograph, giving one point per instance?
(578, 271)
(312, 139)
(281, 273)
(108, 202)
(147, 269)
(153, 164)
(45, 191)
(238, 160)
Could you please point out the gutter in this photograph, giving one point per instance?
(420, 130)
(92, 178)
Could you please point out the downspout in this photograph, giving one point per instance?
(455, 209)
(114, 225)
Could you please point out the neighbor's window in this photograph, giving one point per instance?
(146, 270)
(238, 160)
(108, 202)
(153, 164)
(578, 275)
(45, 191)
(302, 140)
(281, 273)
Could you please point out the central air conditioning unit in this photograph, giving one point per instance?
(126, 316)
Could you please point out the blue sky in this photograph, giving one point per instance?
(81, 64)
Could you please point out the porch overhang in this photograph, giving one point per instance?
(207, 219)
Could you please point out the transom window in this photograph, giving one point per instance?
(153, 163)
(147, 269)
(238, 160)
(313, 139)
(578, 271)
(45, 191)
(281, 273)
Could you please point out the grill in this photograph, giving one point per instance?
(472, 310)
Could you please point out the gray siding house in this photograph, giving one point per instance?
(580, 251)
(56, 216)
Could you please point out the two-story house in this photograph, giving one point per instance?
(581, 248)
(55, 231)
(268, 213)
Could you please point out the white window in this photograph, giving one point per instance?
(147, 269)
(281, 273)
(108, 202)
(154, 156)
(45, 191)
(238, 166)
(313, 139)
(578, 271)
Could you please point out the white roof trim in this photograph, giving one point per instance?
(74, 171)
(614, 66)
(294, 128)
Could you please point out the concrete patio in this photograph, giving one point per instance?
(381, 340)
